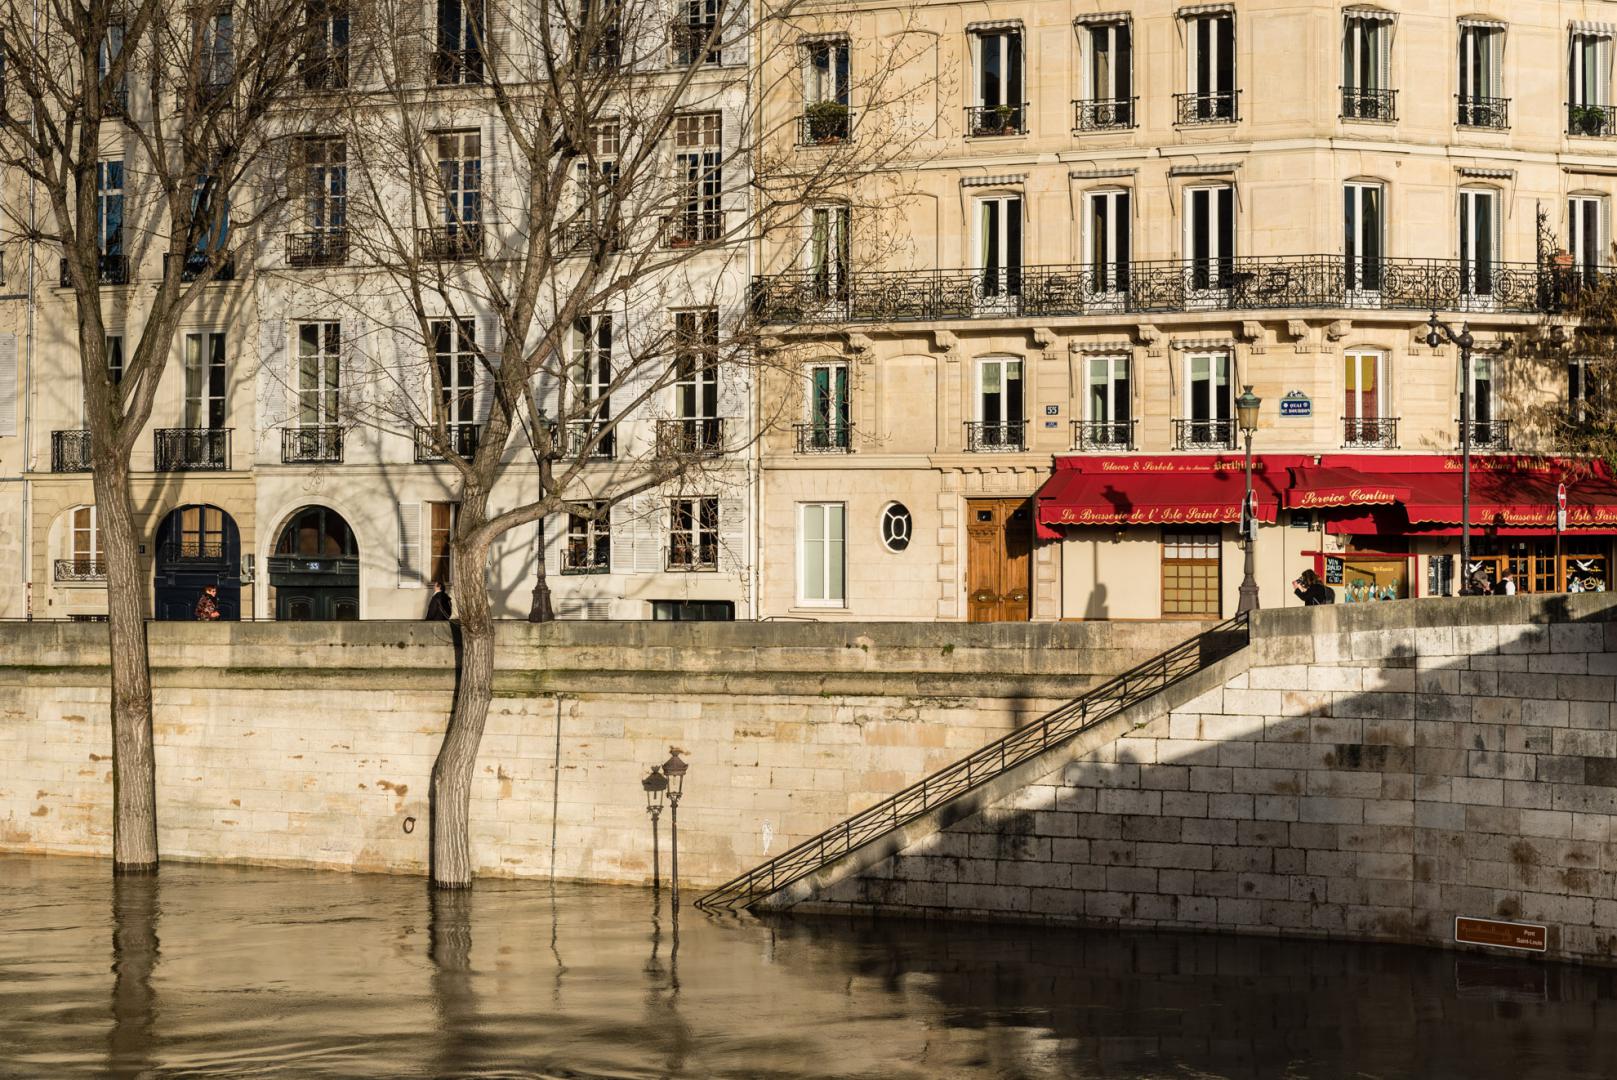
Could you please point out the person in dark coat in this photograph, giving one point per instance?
(440, 608)
(1312, 591)
(207, 609)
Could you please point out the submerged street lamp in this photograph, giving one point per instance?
(675, 769)
(1246, 412)
(1465, 341)
(654, 785)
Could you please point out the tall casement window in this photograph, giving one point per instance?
(1000, 108)
(460, 193)
(1364, 408)
(1363, 227)
(1107, 225)
(698, 427)
(84, 546)
(1488, 430)
(827, 426)
(697, 35)
(591, 380)
(116, 99)
(205, 380)
(1479, 241)
(217, 51)
(115, 373)
(826, 77)
(693, 534)
(589, 540)
(1589, 110)
(320, 184)
(998, 246)
(1482, 57)
(1580, 391)
(597, 177)
(319, 373)
(1108, 404)
(1190, 574)
(1207, 423)
(462, 42)
(699, 169)
(1586, 220)
(1210, 236)
(109, 190)
(1209, 69)
(324, 64)
(1108, 75)
(999, 405)
(1367, 92)
(821, 557)
(454, 353)
(441, 519)
(828, 252)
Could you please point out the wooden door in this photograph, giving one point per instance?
(999, 544)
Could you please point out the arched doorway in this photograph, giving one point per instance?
(197, 546)
(315, 567)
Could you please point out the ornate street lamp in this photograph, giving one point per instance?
(675, 769)
(1246, 412)
(654, 785)
(1465, 341)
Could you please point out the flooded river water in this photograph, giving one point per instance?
(226, 972)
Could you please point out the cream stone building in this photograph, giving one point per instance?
(1021, 351)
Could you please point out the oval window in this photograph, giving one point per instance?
(896, 526)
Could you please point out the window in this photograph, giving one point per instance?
(115, 98)
(115, 358)
(696, 34)
(454, 349)
(597, 175)
(699, 168)
(1482, 410)
(218, 51)
(201, 536)
(1210, 236)
(1362, 227)
(1190, 575)
(1367, 92)
(204, 380)
(442, 518)
(1108, 223)
(589, 540)
(821, 544)
(693, 534)
(462, 41)
(1586, 235)
(319, 373)
(460, 179)
(1481, 100)
(1000, 109)
(85, 545)
(1589, 84)
(826, 118)
(1210, 69)
(1364, 408)
(324, 64)
(1108, 77)
(600, 33)
(828, 426)
(1207, 400)
(897, 526)
(693, 610)
(591, 379)
(323, 180)
(1580, 389)
(1479, 234)
(999, 403)
(210, 225)
(999, 246)
(1108, 404)
(109, 177)
(828, 252)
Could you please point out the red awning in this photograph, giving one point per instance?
(1328, 487)
(1072, 498)
(1509, 499)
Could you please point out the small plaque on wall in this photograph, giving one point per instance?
(1296, 404)
(1333, 569)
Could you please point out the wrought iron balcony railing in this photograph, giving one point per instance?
(325, 70)
(1490, 435)
(579, 433)
(1103, 114)
(1204, 434)
(194, 264)
(701, 437)
(315, 445)
(70, 451)
(984, 121)
(1220, 107)
(1595, 121)
(827, 438)
(691, 556)
(696, 43)
(1483, 112)
(1370, 433)
(322, 247)
(1109, 435)
(1361, 104)
(825, 123)
(460, 438)
(702, 225)
(459, 240)
(195, 549)
(456, 67)
(1230, 284)
(996, 436)
(579, 556)
(580, 237)
(192, 449)
(111, 269)
(115, 103)
(76, 569)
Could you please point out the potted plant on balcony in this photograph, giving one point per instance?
(1588, 120)
(996, 120)
(827, 122)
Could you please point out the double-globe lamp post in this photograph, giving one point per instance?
(1246, 412)
(1435, 333)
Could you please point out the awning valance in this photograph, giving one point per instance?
(1327, 488)
(1482, 23)
(993, 24)
(1103, 17)
(1192, 10)
(1594, 29)
(1367, 14)
(1182, 492)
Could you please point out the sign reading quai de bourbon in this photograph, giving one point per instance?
(1528, 937)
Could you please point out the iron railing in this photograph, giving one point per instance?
(1219, 107)
(1362, 104)
(1103, 114)
(194, 264)
(115, 103)
(1598, 121)
(1370, 433)
(825, 123)
(696, 42)
(579, 434)
(697, 225)
(989, 120)
(461, 240)
(1483, 112)
(689, 556)
(999, 757)
(1490, 435)
(192, 449)
(996, 436)
(322, 247)
(460, 438)
(313, 445)
(111, 269)
(195, 549)
(1204, 434)
(579, 556)
(80, 570)
(1243, 283)
(454, 67)
(70, 451)
(833, 438)
(581, 237)
(1103, 435)
(323, 70)
(699, 437)
(314, 564)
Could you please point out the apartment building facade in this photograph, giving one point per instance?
(1119, 215)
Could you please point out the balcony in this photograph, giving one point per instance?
(195, 264)
(699, 437)
(323, 247)
(1219, 107)
(323, 70)
(824, 438)
(693, 227)
(1204, 434)
(1370, 433)
(1362, 104)
(457, 67)
(1592, 121)
(70, 451)
(686, 556)
(115, 103)
(192, 449)
(1268, 283)
(460, 438)
(94, 569)
(1103, 114)
(578, 444)
(579, 556)
(450, 242)
(195, 549)
(996, 436)
(581, 237)
(695, 43)
(990, 121)
(111, 269)
(320, 445)
(825, 123)
(1108, 435)
(1490, 434)
(1483, 112)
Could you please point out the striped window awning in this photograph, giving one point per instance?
(1482, 23)
(1211, 168)
(1206, 344)
(1004, 180)
(1102, 174)
(1103, 17)
(1370, 14)
(1123, 346)
(1192, 10)
(993, 24)
(1595, 29)
(1480, 173)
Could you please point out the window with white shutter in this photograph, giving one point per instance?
(410, 545)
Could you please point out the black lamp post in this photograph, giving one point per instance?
(654, 785)
(675, 769)
(1246, 413)
(1465, 341)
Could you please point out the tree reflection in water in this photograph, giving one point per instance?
(134, 959)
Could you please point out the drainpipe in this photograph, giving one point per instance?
(28, 374)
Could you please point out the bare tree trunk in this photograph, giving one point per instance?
(134, 764)
(451, 790)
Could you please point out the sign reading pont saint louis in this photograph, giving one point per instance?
(1528, 937)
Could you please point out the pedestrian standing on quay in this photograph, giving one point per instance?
(440, 608)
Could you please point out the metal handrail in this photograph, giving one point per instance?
(983, 765)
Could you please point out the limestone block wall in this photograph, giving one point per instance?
(312, 744)
(1373, 772)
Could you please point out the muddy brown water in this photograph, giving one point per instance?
(232, 972)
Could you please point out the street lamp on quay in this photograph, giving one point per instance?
(675, 769)
(1246, 412)
(655, 785)
(1436, 332)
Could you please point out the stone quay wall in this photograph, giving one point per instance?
(311, 744)
(1367, 771)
